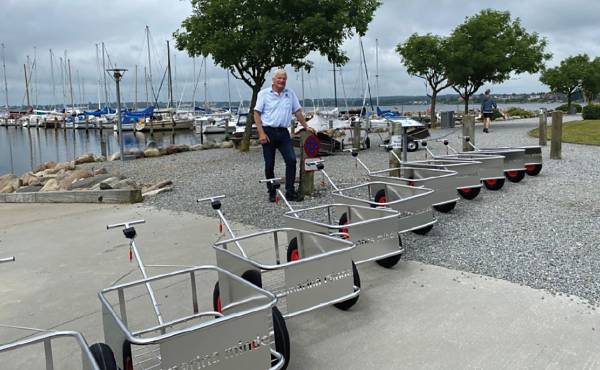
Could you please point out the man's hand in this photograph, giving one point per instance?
(311, 130)
(263, 138)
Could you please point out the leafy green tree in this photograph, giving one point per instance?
(425, 57)
(489, 47)
(590, 83)
(249, 38)
(566, 78)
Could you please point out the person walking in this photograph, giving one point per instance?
(487, 108)
(272, 116)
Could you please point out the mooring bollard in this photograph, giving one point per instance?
(468, 130)
(309, 148)
(356, 134)
(556, 143)
(542, 129)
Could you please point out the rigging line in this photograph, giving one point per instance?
(344, 90)
(197, 80)
(162, 81)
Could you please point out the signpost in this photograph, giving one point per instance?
(310, 145)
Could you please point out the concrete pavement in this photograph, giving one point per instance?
(412, 316)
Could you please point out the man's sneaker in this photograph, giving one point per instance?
(485, 130)
(293, 196)
(272, 197)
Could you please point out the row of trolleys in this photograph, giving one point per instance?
(262, 279)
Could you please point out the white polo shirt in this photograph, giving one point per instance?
(276, 109)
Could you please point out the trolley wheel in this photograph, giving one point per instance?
(379, 197)
(368, 143)
(533, 169)
(282, 337)
(391, 261)
(494, 184)
(469, 193)
(412, 146)
(127, 356)
(445, 208)
(252, 276)
(104, 356)
(423, 230)
(345, 305)
(344, 221)
(515, 176)
(292, 251)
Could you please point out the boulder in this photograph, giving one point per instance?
(227, 144)
(197, 147)
(47, 172)
(163, 151)
(115, 156)
(135, 152)
(157, 191)
(158, 185)
(208, 146)
(151, 145)
(100, 171)
(51, 185)
(68, 166)
(9, 183)
(72, 177)
(177, 148)
(29, 179)
(152, 152)
(44, 166)
(126, 184)
(29, 189)
(100, 158)
(107, 184)
(85, 158)
(88, 182)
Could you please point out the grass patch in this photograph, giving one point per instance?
(579, 132)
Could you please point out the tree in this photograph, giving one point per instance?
(566, 78)
(249, 38)
(425, 57)
(488, 47)
(590, 83)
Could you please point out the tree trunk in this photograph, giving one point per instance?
(466, 97)
(245, 144)
(433, 116)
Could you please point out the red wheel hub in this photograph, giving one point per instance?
(531, 167)
(345, 230)
(512, 173)
(465, 190)
(381, 200)
(294, 255)
(219, 307)
(491, 182)
(411, 183)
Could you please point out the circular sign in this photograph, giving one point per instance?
(312, 146)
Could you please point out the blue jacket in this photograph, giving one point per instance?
(488, 104)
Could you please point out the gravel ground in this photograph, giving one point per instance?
(541, 232)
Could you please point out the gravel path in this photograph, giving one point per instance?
(542, 232)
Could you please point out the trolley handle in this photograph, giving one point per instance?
(125, 224)
(276, 183)
(9, 259)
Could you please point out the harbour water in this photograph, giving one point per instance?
(22, 149)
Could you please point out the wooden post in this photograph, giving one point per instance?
(542, 128)
(307, 179)
(393, 162)
(356, 135)
(556, 143)
(468, 129)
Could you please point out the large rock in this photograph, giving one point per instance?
(74, 176)
(151, 145)
(67, 166)
(115, 156)
(158, 185)
(88, 182)
(157, 191)
(108, 183)
(100, 171)
(126, 184)
(136, 153)
(30, 179)
(227, 144)
(47, 172)
(29, 189)
(177, 148)
(152, 152)
(9, 183)
(99, 158)
(51, 185)
(197, 147)
(85, 158)
(44, 166)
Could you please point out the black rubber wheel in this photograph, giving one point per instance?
(343, 221)
(104, 356)
(515, 176)
(469, 193)
(423, 230)
(391, 261)
(379, 198)
(445, 208)
(494, 184)
(368, 143)
(127, 356)
(412, 146)
(345, 305)
(292, 251)
(533, 169)
(217, 298)
(282, 337)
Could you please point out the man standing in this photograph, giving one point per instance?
(272, 115)
(487, 108)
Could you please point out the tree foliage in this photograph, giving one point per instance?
(249, 38)
(590, 83)
(567, 77)
(489, 47)
(425, 57)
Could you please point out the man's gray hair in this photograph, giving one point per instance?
(279, 71)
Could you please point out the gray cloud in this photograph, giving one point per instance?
(77, 26)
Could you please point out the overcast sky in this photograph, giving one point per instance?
(32, 27)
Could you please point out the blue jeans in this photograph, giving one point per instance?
(279, 138)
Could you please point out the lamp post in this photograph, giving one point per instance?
(117, 74)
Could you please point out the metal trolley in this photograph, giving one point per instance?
(413, 204)
(491, 169)
(442, 182)
(532, 155)
(514, 160)
(317, 272)
(374, 231)
(173, 332)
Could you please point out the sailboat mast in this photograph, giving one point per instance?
(366, 73)
(146, 85)
(377, 69)
(62, 80)
(52, 77)
(149, 62)
(5, 83)
(194, 85)
(135, 89)
(71, 84)
(99, 74)
(228, 91)
(170, 79)
(34, 74)
(26, 84)
(205, 87)
(104, 75)
(335, 86)
(302, 79)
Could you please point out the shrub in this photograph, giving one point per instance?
(564, 107)
(496, 114)
(516, 111)
(591, 111)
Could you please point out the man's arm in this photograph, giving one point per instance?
(300, 117)
(262, 137)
